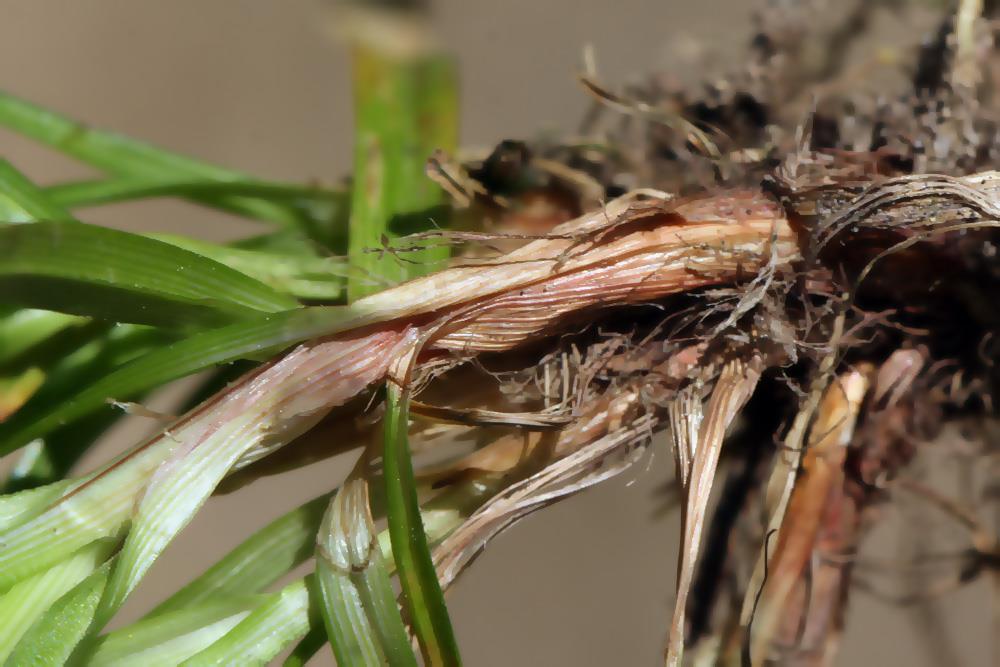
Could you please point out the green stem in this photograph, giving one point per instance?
(421, 590)
(405, 108)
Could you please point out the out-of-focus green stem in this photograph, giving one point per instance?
(405, 107)
(22, 329)
(53, 455)
(125, 157)
(22, 201)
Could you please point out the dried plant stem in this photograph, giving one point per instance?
(702, 439)
(966, 70)
(822, 475)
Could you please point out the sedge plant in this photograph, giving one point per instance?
(489, 336)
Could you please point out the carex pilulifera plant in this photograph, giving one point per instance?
(799, 293)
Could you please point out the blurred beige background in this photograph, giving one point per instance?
(263, 87)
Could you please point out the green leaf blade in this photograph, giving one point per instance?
(22, 201)
(118, 189)
(114, 275)
(424, 599)
(263, 336)
(280, 620)
(54, 636)
(32, 597)
(173, 637)
(122, 156)
(96, 355)
(257, 562)
(303, 276)
(23, 329)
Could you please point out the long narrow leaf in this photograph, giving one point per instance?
(283, 618)
(258, 562)
(64, 527)
(114, 275)
(29, 599)
(264, 410)
(105, 191)
(169, 501)
(319, 212)
(52, 456)
(53, 637)
(22, 201)
(155, 488)
(32, 340)
(105, 150)
(122, 156)
(422, 592)
(304, 276)
(16, 508)
(25, 328)
(261, 337)
(171, 638)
